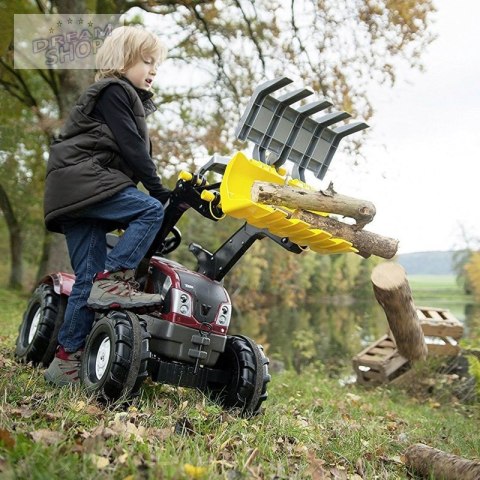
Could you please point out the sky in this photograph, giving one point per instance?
(423, 147)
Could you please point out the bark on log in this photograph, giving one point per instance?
(327, 201)
(367, 243)
(392, 291)
(433, 463)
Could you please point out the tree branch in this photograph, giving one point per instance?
(29, 100)
(252, 35)
(218, 54)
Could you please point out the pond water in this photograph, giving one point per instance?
(334, 334)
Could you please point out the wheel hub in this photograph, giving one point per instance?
(34, 325)
(103, 355)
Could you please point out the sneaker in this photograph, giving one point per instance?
(112, 290)
(65, 368)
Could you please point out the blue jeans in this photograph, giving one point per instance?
(86, 241)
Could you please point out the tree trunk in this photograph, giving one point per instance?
(54, 257)
(392, 291)
(327, 201)
(16, 241)
(432, 463)
(367, 243)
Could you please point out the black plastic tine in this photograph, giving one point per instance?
(339, 133)
(348, 129)
(292, 97)
(330, 119)
(302, 113)
(282, 103)
(322, 123)
(255, 102)
(314, 107)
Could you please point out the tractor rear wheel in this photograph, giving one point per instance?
(247, 366)
(115, 358)
(38, 332)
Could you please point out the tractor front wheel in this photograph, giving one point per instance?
(114, 363)
(246, 364)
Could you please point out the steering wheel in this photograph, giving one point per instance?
(172, 242)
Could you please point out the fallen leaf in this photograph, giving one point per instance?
(78, 406)
(98, 461)
(122, 458)
(315, 468)
(194, 472)
(21, 412)
(353, 398)
(93, 410)
(6, 439)
(49, 437)
(159, 433)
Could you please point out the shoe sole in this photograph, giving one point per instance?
(54, 381)
(119, 306)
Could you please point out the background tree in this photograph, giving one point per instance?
(219, 50)
(472, 271)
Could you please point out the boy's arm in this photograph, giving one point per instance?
(113, 107)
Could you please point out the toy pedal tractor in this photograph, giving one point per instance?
(186, 341)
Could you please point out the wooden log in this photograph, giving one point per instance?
(392, 291)
(327, 201)
(430, 462)
(367, 243)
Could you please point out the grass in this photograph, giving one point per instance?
(312, 427)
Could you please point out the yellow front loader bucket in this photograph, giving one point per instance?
(240, 174)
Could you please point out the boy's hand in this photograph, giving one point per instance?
(162, 194)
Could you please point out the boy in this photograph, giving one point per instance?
(101, 154)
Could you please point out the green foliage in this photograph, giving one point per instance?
(474, 370)
(312, 427)
(225, 49)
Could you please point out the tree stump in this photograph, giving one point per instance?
(392, 291)
(433, 463)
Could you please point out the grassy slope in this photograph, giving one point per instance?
(312, 427)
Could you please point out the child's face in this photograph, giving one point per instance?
(142, 73)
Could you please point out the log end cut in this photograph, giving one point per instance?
(388, 276)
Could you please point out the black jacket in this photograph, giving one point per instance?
(88, 163)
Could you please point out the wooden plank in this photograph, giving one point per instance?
(447, 347)
(433, 329)
(396, 363)
(421, 314)
(374, 344)
(435, 315)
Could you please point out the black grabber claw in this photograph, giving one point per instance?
(286, 133)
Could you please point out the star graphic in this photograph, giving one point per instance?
(80, 21)
(69, 20)
(51, 30)
(59, 24)
(90, 24)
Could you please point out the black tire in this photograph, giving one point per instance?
(247, 366)
(38, 332)
(116, 354)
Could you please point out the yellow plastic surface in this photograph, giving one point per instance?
(238, 179)
(184, 175)
(207, 195)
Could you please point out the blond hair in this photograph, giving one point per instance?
(124, 47)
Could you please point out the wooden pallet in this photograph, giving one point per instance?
(441, 330)
(381, 363)
(439, 322)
